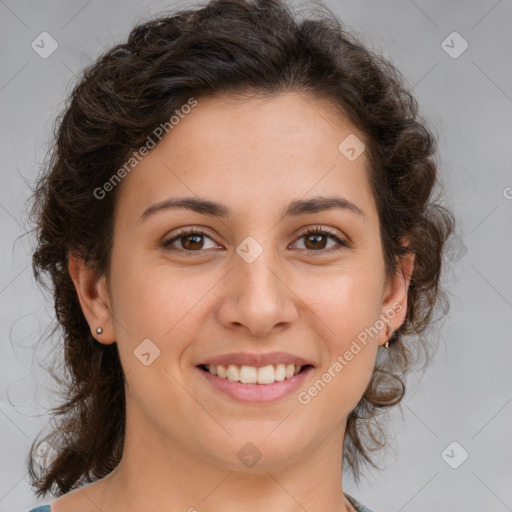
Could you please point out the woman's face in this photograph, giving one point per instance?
(252, 291)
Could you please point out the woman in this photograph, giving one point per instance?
(244, 251)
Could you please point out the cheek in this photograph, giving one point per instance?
(156, 316)
(347, 301)
(346, 310)
(157, 302)
(346, 306)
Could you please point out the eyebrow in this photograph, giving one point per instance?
(294, 209)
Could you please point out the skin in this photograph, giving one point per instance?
(182, 436)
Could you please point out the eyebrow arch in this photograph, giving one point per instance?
(294, 209)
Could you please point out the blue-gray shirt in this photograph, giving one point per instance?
(358, 506)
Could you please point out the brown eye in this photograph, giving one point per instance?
(316, 240)
(190, 241)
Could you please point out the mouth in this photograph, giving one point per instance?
(262, 384)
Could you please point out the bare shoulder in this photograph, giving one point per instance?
(85, 499)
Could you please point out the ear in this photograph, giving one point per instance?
(92, 292)
(394, 305)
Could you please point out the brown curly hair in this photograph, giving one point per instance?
(238, 47)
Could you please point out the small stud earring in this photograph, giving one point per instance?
(99, 330)
(388, 332)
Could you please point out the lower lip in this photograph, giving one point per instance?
(257, 393)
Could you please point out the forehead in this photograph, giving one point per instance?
(252, 150)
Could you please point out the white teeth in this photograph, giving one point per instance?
(280, 373)
(221, 370)
(266, 374)
(248, 375)
(252, 374)
(233, 373)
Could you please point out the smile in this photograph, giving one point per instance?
(255, 384)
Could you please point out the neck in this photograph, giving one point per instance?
(159, 474)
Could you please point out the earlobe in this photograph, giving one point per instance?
(92, 292)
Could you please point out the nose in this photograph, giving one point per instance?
(257, 298)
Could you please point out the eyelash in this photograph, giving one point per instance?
(312, 231)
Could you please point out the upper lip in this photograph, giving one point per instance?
(252, 359)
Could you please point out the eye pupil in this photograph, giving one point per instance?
(316, 237)
(198, 241)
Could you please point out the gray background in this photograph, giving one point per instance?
(465, 395)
